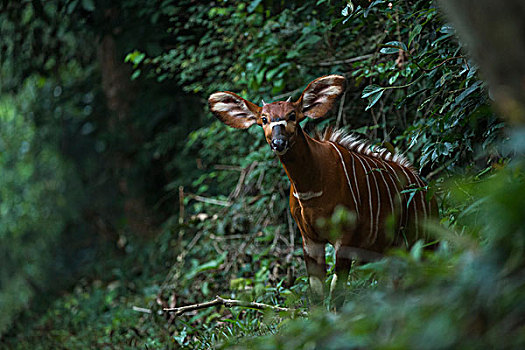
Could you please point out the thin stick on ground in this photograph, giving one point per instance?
(231, 303)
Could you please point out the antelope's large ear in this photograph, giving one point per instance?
(319, 96)
(233, 110)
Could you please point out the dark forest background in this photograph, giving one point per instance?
(121, 195)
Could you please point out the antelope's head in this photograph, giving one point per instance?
(280, 119)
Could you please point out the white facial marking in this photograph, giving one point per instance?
(281, 122)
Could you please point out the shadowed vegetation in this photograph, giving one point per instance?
(121, 195)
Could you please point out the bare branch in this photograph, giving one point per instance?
(348, 60)
(231, 303)
(245, 172)
(289, 93)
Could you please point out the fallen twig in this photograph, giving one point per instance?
(141, 309)
(228, 167)
(223, 238)
(231, 303)
(209, 200)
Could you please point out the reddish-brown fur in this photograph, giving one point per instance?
(335, 170)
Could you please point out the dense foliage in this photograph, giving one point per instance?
(115, 174)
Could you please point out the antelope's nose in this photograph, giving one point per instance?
(279, 144)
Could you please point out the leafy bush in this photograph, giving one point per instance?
(468, 296)
(220, 194)
(36, 203)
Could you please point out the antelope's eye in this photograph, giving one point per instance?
(264, 120)
(291, 116)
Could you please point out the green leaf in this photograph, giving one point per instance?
(393, 47)
(135, 57)
(371, 89)
(253, 5)
(88, 5)
(372, 99)
(393, 78)
(447, 29)
(467, 92)
(348, 9)
(135, 74)
(373, 93)
(414, 33)
(71, 6)
(209, 265)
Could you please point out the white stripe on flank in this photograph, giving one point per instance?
(399, 196)
(347, 178)
(280, 122)
(421, 184)
(355, 178)
(386, 184)
(416, 219)
(369, 193)
(378, 211)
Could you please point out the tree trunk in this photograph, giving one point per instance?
(120, 92)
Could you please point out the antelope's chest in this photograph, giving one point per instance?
(307, 215)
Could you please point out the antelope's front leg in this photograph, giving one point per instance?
(314, 256)
(343, 263)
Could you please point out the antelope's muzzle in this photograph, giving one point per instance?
(279, 141)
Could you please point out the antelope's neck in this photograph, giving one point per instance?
(302, 164)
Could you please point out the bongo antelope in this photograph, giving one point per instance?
(330, 170)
